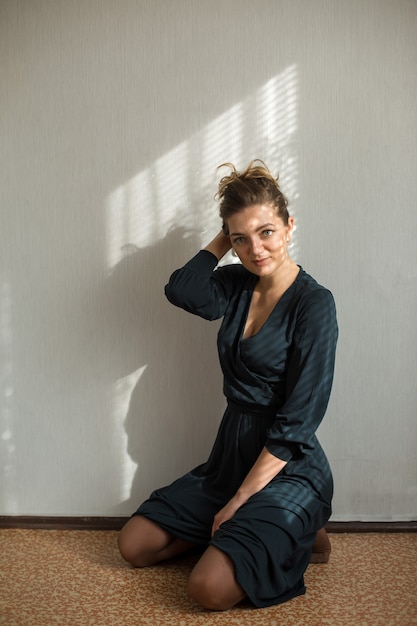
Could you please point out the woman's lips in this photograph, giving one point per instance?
(260, 262)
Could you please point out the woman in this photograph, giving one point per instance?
(266, 489)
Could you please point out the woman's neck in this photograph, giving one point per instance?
(280, 280)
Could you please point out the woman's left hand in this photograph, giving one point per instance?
(226, 513)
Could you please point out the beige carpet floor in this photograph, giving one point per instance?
(77, 578)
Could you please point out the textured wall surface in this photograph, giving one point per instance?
(114, 117)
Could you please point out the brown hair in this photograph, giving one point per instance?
(255, 185)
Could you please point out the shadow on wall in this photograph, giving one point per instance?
(166, 384)
(155, 399)
(168, 389)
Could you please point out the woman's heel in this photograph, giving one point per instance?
(321, 548)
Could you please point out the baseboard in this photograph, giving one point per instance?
(372, 527)
(62, 523)
(116, 523)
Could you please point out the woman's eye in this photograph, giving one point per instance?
(267, 233)
(238, 240)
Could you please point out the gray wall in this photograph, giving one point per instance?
(114, 116)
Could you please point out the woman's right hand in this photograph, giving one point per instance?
(220, 245)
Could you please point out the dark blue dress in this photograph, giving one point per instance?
(277, 384)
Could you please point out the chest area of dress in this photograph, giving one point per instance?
(267, 351)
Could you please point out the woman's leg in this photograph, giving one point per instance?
(212, 582)
(321, 548)
(142, 543)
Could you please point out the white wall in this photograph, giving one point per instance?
(114, 116)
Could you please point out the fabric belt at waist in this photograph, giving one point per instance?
(252, 409)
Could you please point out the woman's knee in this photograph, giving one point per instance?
(207, 593)
(213, 585)
(128, 546)
(143, 543)
(134, 541)
(214, 594)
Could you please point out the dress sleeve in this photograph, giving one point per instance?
(200, 290)
(309, 377)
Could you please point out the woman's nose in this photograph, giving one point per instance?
(256, 246)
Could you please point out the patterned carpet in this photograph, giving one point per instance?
(77, 578)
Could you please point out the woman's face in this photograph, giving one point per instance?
(260, 238)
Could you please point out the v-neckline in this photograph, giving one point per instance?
(248, 305)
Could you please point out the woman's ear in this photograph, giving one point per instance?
(290, 226)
